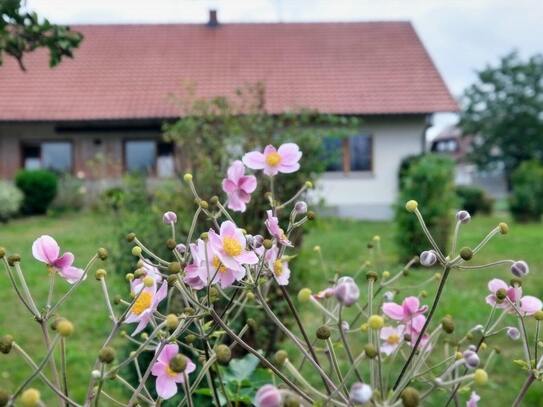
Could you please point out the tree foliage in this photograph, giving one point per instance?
(23, 31)
(503, 110)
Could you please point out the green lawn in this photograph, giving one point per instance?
(344, 247)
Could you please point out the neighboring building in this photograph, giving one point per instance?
(451, 142)
(107, 104)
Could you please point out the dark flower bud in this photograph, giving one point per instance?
(214, 200)
(117, 300)
(178, 363)
(170, 244)
(407, 337)
(520, 268)
(466, 253)
(224, 354)
(171, 280)
(2, 252)
(267, 243)
(130, 237)
(280, 357)
(4, 398)
(463, 217)
(515, 282)
(311, 215)
(214, 294)
(189, 311)
(428, 258)
(370, 350)
(174, 267)
(369, 245)
(107, 355)
(410, 397)
(323, 332)
(102, 253)
(6, 342)
(190, 338)
(251, 323)
(501, 294)
(100, 274)
(14, 258)
(291, 401)
(447, 324)
(372, 275)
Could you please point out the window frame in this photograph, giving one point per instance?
(346, 159)
(153, 171)
(39, 142)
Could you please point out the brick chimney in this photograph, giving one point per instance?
(213, 20)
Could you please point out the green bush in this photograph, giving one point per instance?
(526, 201)
(474, 200)
(39, 188)
(430, 181)
(10, 200)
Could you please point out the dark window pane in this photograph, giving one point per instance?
(360, 150)
(57, 156)
(140, 155)
(333, 153)
(165, 149)
(31, 157)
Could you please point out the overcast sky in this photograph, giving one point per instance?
(461, 35)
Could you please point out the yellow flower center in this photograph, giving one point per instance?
(273, 159)
(143, 302)
(218, 265)
(393, 339)
(278, 267)
(231, 246)
(170, 372)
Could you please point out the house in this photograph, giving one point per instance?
(108, 103)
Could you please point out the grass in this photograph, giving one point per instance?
(344, 247)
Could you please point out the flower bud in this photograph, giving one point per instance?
(267, 243)
(538, 315)
(148, 281)
(304, 294)
(190, 338)
(410, 397)
(30, 398)
(280, 358)
(117, 299)
(107, 355)
(268, 396)
(4, 398)
(172, 280)
(471, 359)
(345, 326)
(178, 363)
(466, 253)
(170, 244)
(250, 296)
(376, 322)
(520, 268)
(372, 275)
(2, 252)
(515, 282)
(6, 342)
(311, 215)
(129, 277)
(447, 324)
(102, 253)
(187, 177)
(14, 258)
(480, 377)
(370, 350)
(323, 332)
(214, 200)
(428, 258)
(308, 184)
(513, 333)
(172, 321)
(360, 393)
(65, 328)
(300, 207)
(346, 291)
(291, 401)
(504, 228)
(224, 354)
(386, 274)
(501, 294)
(174, 267)
(411, 206)
(463, 217)
(100, 274)
(169, 218)
(181, 248)
(136, 251)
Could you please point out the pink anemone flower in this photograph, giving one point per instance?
(473, 400)
(391, 337)
(271, 161)
(272, 224)
(47, 250)
(166, 378)
(278, 266)
(146, 303)
(238, 186)
(414, 329)
(230, 247)
(528, 305)
(409, 309)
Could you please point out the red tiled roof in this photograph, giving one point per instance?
(129, 71)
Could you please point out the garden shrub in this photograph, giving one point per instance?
(430, 180)
(474, 200)
(10, 200)
(39, 188)
(71, 194)
(526, 202)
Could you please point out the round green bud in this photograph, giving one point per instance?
(2, 252)
(466, 253)
(174, 267)
(170, 244)
(308, 184)
(172, 280)
(102, 253)
(4, 398)
(148, 281)
(291, 401)
(189, 311)
(311, 215)
(250, 296)
(214, 200)
(6, 342)
(202, 359)
(447, 324)
(204, 236)
(280, 358)
(372, 275)
(187, 177)
(190, 338)
(129, 276)
(136, 251)
(267, 243)
(130, 237)
(386, 274)
(203, 204)
(504, 228)
(411, 205)
(410, 397)
(224, 354)
(100, 274)
(501, 294)
(370, 350)
(107, 355)
(538, 315)
(497, 349)
(515, 281)
(214, 294)
(117, 299)
(480, 377)
(65, 328)
(30, 398)
(304, 295)
(178, 363)
(172, 321)
(423, 294)
(376, 322)
(251, 323)
(323, 332)
(14, 258)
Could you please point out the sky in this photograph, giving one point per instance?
(462, 36)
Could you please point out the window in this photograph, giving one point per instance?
(165, 166)
(51, 155)
(348, 154)
(140, 155)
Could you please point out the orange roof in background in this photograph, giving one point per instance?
(128, 71)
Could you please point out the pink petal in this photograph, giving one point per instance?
(215, 242)
(66, 260)
(388, 348)
(159, 368)
(410, 305)
(254, 160)
(247, 257)
(290, 153)
(288, 169)
(229, 262)
(236, 171)
(491, 299)
(226, 278)
(393, 310)
(45, 249)
(417, 323)
(160, 294)
(168, 352)
(386, 332)
(235, 203)
(270, 171)
(269, 149)
(228, 228)
(229, 186)
(248, 183)
(166, 387)
(144, 319)
(529, 305)
(71, 274)
(495, 284)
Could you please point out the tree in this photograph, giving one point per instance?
(22, 31)
(502, 110)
